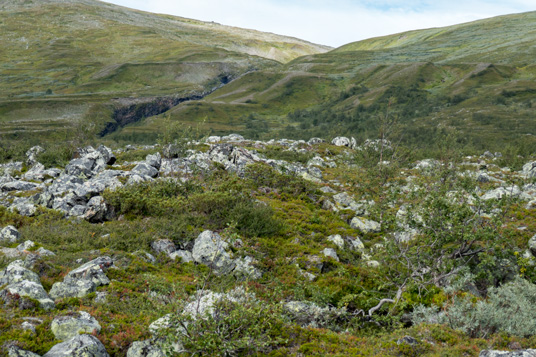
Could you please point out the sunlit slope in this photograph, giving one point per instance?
(60, 57)
(476, 80)
(504, 39)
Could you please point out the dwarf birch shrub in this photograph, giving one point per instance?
(509, 309)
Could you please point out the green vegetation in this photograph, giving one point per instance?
(458, 275)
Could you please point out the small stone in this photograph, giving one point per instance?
(184, 256)
(330, 253)
(365, 225)
(407, 340)
(337, 240)
(165, 246)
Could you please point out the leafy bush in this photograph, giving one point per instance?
(508, 309)
(261, 175)
(150, 198)
(223, 208)
(230, 327)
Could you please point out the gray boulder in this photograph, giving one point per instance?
(98, 211)
(82, 167)
(365, 225)
(15, 351)
(529, 169)
(209, 249)
(165, 246)
(355, 244)
(184, 255)
(36, 172)
(31, 290)
(316, 141)
(92, 271)
(15, 272)
(501, 192)
(63, 184)
(78, 288)
(97, 185)
(154, 160)
(67, 327)
(147, 348)
(24, 206)
(18, 186)
(45, 252)
(245, 269)
(144, 169)
(79, 346)
(330, 253)
(337, 240)
(106, 154)
(344, 141)
(532, 245)
(32, 153)
(9, 235)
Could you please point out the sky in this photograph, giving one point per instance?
(334, 22)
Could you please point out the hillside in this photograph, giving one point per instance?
(67, 61)
(225, 246)
(475, 81)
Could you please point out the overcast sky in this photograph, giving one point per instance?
(333, 22)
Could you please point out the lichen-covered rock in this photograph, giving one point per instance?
(184, 256)
(529, 169)
(9, 235)
(144, 169)
(67, 327)
(106, 154)
(209, 249)
(165, 246)
(24, 206)
(92, 271)
(25, 246)
(355, 244)
(78, 346)
(532, 245)
(330, 253)
(15, 351)
(501, 192)
(245, 269)
(337, 240)
(32, 153)
(344, 141)
(18, 186)
(365, 225)
(16, 272)
(31, 290)
(98, 211)
(82, 167)
(154, 160)
(147, 348)
(83, 280)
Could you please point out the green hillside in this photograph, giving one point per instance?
(473, 80)
(60, 59)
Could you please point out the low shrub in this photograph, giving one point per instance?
(508, 309)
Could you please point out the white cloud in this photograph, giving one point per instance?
(333, 23)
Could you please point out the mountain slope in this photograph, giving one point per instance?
(60, 58)
(475, 80)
